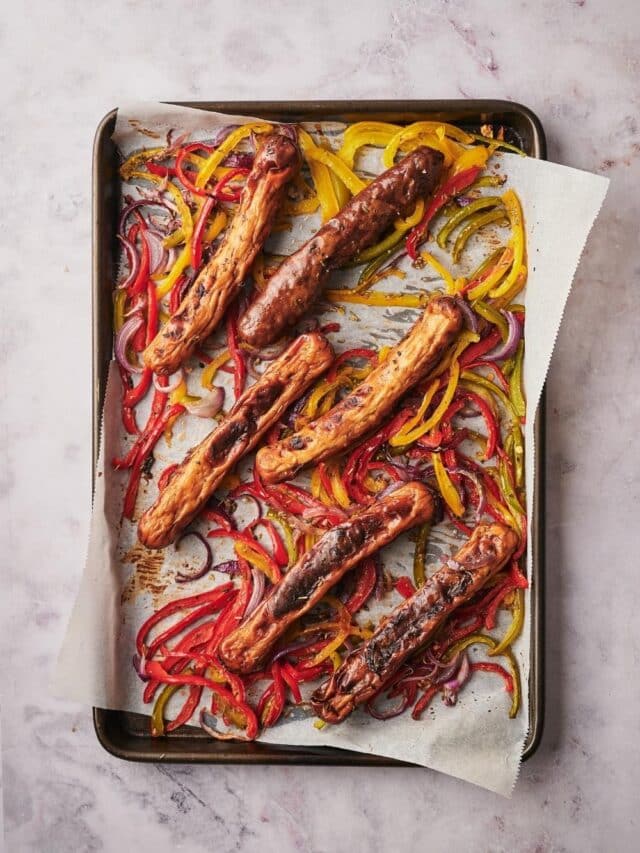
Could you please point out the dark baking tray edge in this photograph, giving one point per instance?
(109, 725)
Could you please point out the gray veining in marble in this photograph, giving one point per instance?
(64, 64)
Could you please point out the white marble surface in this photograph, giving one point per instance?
(63, 66)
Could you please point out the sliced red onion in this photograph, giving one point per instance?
(140, 666)
(257, 593)
(296, 647)
(133, 259)
(199, 571)
(289, 130)
(208, 724)
(479, 487)
(449, 670)
(229, 567)
(123, 337)
(470, 316)
(508, 347)
(209, 405)
(268, 353)
(157, 251)
(392, 487)
(393, 711)
(220, 135)
(177, 380)
(237, 160)
(452, 687)
(152, 198)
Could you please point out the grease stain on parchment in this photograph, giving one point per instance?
(147, 577)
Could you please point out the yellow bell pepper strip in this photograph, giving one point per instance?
(383, 300)
(473, 640)
(225, 147)
(430, 133)
(442, 271)
(356, 136)
(139, 158)
(338, 489)
(287, 530)
(515, 382)
(210, 371)
(475, 223)
(183, 260)
(517, 242)
(157, 715)
(119, 300)
(321, 177)
(447, 488)
(406, 436)
(254, 555)
(462, 213)
(515, 628)
(339, 168)
(492, 316)
(472, 158)
(420, 556)
(216, 226)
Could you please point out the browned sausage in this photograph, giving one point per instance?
(276, 162)
(297, 282)
(367, 406)
(261, 406)
(337, 551)
(413, 623)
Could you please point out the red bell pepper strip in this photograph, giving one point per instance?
(157, 671)
(475, 351)
(186, 712)
(240, 372)
(198, 232)
(423, 702)
(165, 477)
(273, 707)
(181, 173)
(217, 518)
(365, 584)
(177, 628)
(502, 379)
(220, 187)
(289, 676)
(175, 296)
(486, 666)
(446, 192)
(212, 596)
(133, 395)
(503, 590)
(518, 580)
(330, 327)
(140, 281)
(404, 586)
(147, 446)
(279, 551)
(493, 430)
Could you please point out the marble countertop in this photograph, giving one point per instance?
(64, 65)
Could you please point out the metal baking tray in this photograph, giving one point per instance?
(126, 735)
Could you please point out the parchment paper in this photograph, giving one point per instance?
(123, 583)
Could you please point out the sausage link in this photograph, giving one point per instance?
(367, 406)
(276, 162)
(413, 623)
(297, 282)
(337, 551)
(261, 406)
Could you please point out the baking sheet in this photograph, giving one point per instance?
(475, 740)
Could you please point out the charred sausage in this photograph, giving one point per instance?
(298, 281)
(261, 406)
(413, 623)
(337, 551)
(276, 162)
(365, 407)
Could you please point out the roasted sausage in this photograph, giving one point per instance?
(276, 162)
(261, 406)
(413, 623)
(368, 404)
(337, 551)
(298, 281)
